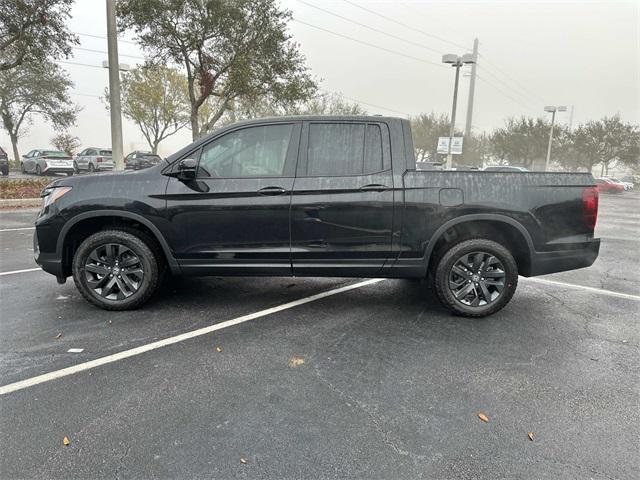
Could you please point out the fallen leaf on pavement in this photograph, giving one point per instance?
(530, 435)
(66, 441)
(218, 349)
(483, 417)
(58, 335)
(296, 362)
(242, 460)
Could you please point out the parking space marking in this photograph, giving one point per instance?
(622, 239)
(30, 382)
(16, 229)
(601, 291)
(21, 271)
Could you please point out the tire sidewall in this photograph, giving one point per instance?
(453, 255)
(139, 247)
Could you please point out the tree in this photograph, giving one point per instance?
(230, 51)
(476, 150)
(522, 141)
(602, 142)
(34, 89)
(33, 30)
(426, 129)
(155, 98)
(66, 142)
(322, 104)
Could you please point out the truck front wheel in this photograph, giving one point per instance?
(475, 278)
(116, 270)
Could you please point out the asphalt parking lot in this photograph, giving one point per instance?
(376, 381)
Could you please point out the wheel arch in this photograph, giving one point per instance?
(97, 220)
(503, 229)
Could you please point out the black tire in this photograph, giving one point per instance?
(22, 168)
(150, 263)
(471, 248)
(75, 167)
(5, 172)
(91, 168)
(38, 170)
(69, 174)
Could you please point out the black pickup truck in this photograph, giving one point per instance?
(315, 196)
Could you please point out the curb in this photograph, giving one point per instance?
(20, 202)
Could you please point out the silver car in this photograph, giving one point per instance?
(93, 160)
(45, 162)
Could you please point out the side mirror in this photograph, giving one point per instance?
(187, 169)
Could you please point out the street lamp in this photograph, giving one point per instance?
(553, 109)
(457, 62)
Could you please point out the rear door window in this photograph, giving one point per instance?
(336, 149)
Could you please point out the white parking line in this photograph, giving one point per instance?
(30, 382)
(21, 271)
(600, 291)
(16, 229)
(622, 239)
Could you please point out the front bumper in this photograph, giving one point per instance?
(580, 256)
(50, 262)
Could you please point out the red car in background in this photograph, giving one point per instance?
(606, 185)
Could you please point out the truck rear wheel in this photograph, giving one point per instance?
(116, 270)
(475, 278)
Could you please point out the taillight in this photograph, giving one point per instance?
(99, 159)
(590, 206)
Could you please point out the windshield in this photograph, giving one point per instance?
(55, 153)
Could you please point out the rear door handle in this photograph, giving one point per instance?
(272, 191)
(374, 187)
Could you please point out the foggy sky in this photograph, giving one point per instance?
(533, 53)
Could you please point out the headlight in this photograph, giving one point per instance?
(53, 194)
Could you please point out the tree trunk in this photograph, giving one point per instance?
(602, 170)
(154, 147)
(195, 128)
(14, 144)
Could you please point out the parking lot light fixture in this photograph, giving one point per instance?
(552, 109)
(456, 61)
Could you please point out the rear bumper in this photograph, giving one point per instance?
(562, 260)
(58, 170)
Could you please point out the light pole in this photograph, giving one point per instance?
(553, 109)
(114, 88)
(457, 62)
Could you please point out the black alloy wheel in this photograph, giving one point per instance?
(114, 271)
(118, 269)
(476, 277)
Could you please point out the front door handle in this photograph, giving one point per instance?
(272, 191)
(374, 187)
(317, 244)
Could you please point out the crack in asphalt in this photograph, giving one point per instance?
(376, 420)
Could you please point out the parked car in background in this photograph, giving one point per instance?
(630, 179)
(93, 159)
(43, 162)
(4, 162)
(606, 185)
(626, 185)
(137, 160)
(504, 168)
